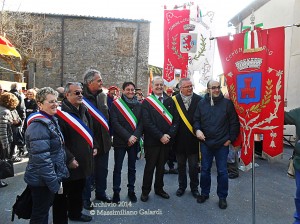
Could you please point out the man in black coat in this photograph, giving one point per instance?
(79, 150)
(92, 91)
(160, 122)
(186, 143)
(216, 124)
(126, 114)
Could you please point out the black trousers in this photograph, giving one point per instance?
(68, 204)
(156, 158)
(192, 161)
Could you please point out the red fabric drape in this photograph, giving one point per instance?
(174, 20)
(255, 84)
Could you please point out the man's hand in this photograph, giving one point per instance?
(165, 139)
(74, 164)
(227, 143)
(200, 135)
(132, 140)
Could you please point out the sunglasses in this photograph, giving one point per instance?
(77, 93)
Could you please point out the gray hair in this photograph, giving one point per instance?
(67, 87)
(15, 86)
(89, 75)
(156, 78)
(43, 92)
(183, 80)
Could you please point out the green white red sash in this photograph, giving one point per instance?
(160, 108)
(95, 113)
(77, 125)
(126, 112)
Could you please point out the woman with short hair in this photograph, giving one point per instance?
(46, 167)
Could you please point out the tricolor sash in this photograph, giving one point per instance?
(77, 125)
(34, 116)
(126, 112)
(97, 114)
(183, 117)
(161, 109)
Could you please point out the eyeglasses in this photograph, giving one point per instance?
(215, 87)
(187, 87)
(77, 93)
(52, 101)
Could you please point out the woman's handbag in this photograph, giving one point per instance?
(23, 205)
(291, 169)
(6, 168)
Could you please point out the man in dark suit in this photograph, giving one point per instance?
(160, 121)
(186, 143)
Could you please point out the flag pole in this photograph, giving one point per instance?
(252, 22)
(286, 26)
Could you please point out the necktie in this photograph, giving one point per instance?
(160, 99)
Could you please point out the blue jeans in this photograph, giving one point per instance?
(297, 198)
(101, 171)
(119, 154)
(42, 200)
(207, 156)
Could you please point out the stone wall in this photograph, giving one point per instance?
(118, 48)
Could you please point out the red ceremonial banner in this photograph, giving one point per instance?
(174, 60)
(255, 78)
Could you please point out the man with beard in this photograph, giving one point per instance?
(216, 124)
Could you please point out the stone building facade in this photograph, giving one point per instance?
(117, 47)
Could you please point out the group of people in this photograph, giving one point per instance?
(14, 108)
(69, 140)
(69, 145)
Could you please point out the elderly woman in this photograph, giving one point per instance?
(8, 117)
(46, 166)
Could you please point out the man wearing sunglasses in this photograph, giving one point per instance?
(77, 128)
(216, 125)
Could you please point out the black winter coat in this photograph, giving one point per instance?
(101, 135)
(185, 141)
(218, 123)
(155, 126)
(121, 127)
(76, 146)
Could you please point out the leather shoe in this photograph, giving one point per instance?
(82, 218)
(88, 205)
(104, 199)
(3, 184)
(144, 197)
(222, 203)
(162, 194)
(202, 198)
(132, 196)
(180, 192)
(116, 198)
(195, 193)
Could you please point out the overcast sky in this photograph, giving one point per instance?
(151, 10)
